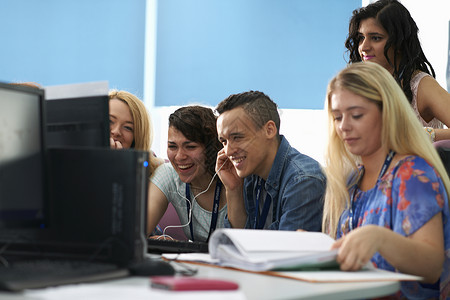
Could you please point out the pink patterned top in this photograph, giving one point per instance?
(435, 123)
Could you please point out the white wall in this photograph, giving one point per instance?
(432, 18)
(306, 130)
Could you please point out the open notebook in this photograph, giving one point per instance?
(66, 215)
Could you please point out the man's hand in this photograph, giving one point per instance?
(227, 173)
(234, 185)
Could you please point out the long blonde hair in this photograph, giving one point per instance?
(401, 132)
(143, 129)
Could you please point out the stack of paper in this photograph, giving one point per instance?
(261, 250)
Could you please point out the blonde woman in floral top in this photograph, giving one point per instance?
(387, 189)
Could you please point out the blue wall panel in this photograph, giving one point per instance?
(289, 49)
(66, 41)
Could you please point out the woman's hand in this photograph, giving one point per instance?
(115, 144)
(161, 237)
(358, 247)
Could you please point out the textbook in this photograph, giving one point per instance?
(263, 250)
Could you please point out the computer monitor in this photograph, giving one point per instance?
(22, 179)
(79, 121)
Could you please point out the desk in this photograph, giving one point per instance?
(262, 287)
(254, 286)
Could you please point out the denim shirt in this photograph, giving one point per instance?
(296, 184)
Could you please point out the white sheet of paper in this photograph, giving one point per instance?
(277, 240)
(368, 274)
(194, 257)
(86, 89)
(341, 276)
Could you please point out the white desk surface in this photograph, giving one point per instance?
(257, 286)
(252, 286)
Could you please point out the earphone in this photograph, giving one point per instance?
(164, 235)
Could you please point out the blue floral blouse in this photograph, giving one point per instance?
(403, 200)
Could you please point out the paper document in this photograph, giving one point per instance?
(366, 274)
(262, 250)
(75, 90)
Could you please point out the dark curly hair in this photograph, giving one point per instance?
(198, 124)
(403, 38)
(258, 106)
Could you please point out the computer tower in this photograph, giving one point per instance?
(98, 198)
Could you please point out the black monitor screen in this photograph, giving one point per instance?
(21, 157)
(81, 121)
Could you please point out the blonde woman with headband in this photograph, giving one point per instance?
(189, 181)
(387, 190)
(130, 125)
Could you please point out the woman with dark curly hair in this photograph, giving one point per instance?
(189, 181)
(385, 33)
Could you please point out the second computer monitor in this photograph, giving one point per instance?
(80, 122)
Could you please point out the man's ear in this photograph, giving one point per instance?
(271, 129)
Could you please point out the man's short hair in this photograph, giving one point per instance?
(258, 106)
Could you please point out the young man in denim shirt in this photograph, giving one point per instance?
(269, 184)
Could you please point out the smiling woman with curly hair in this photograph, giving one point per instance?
(189, 181)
